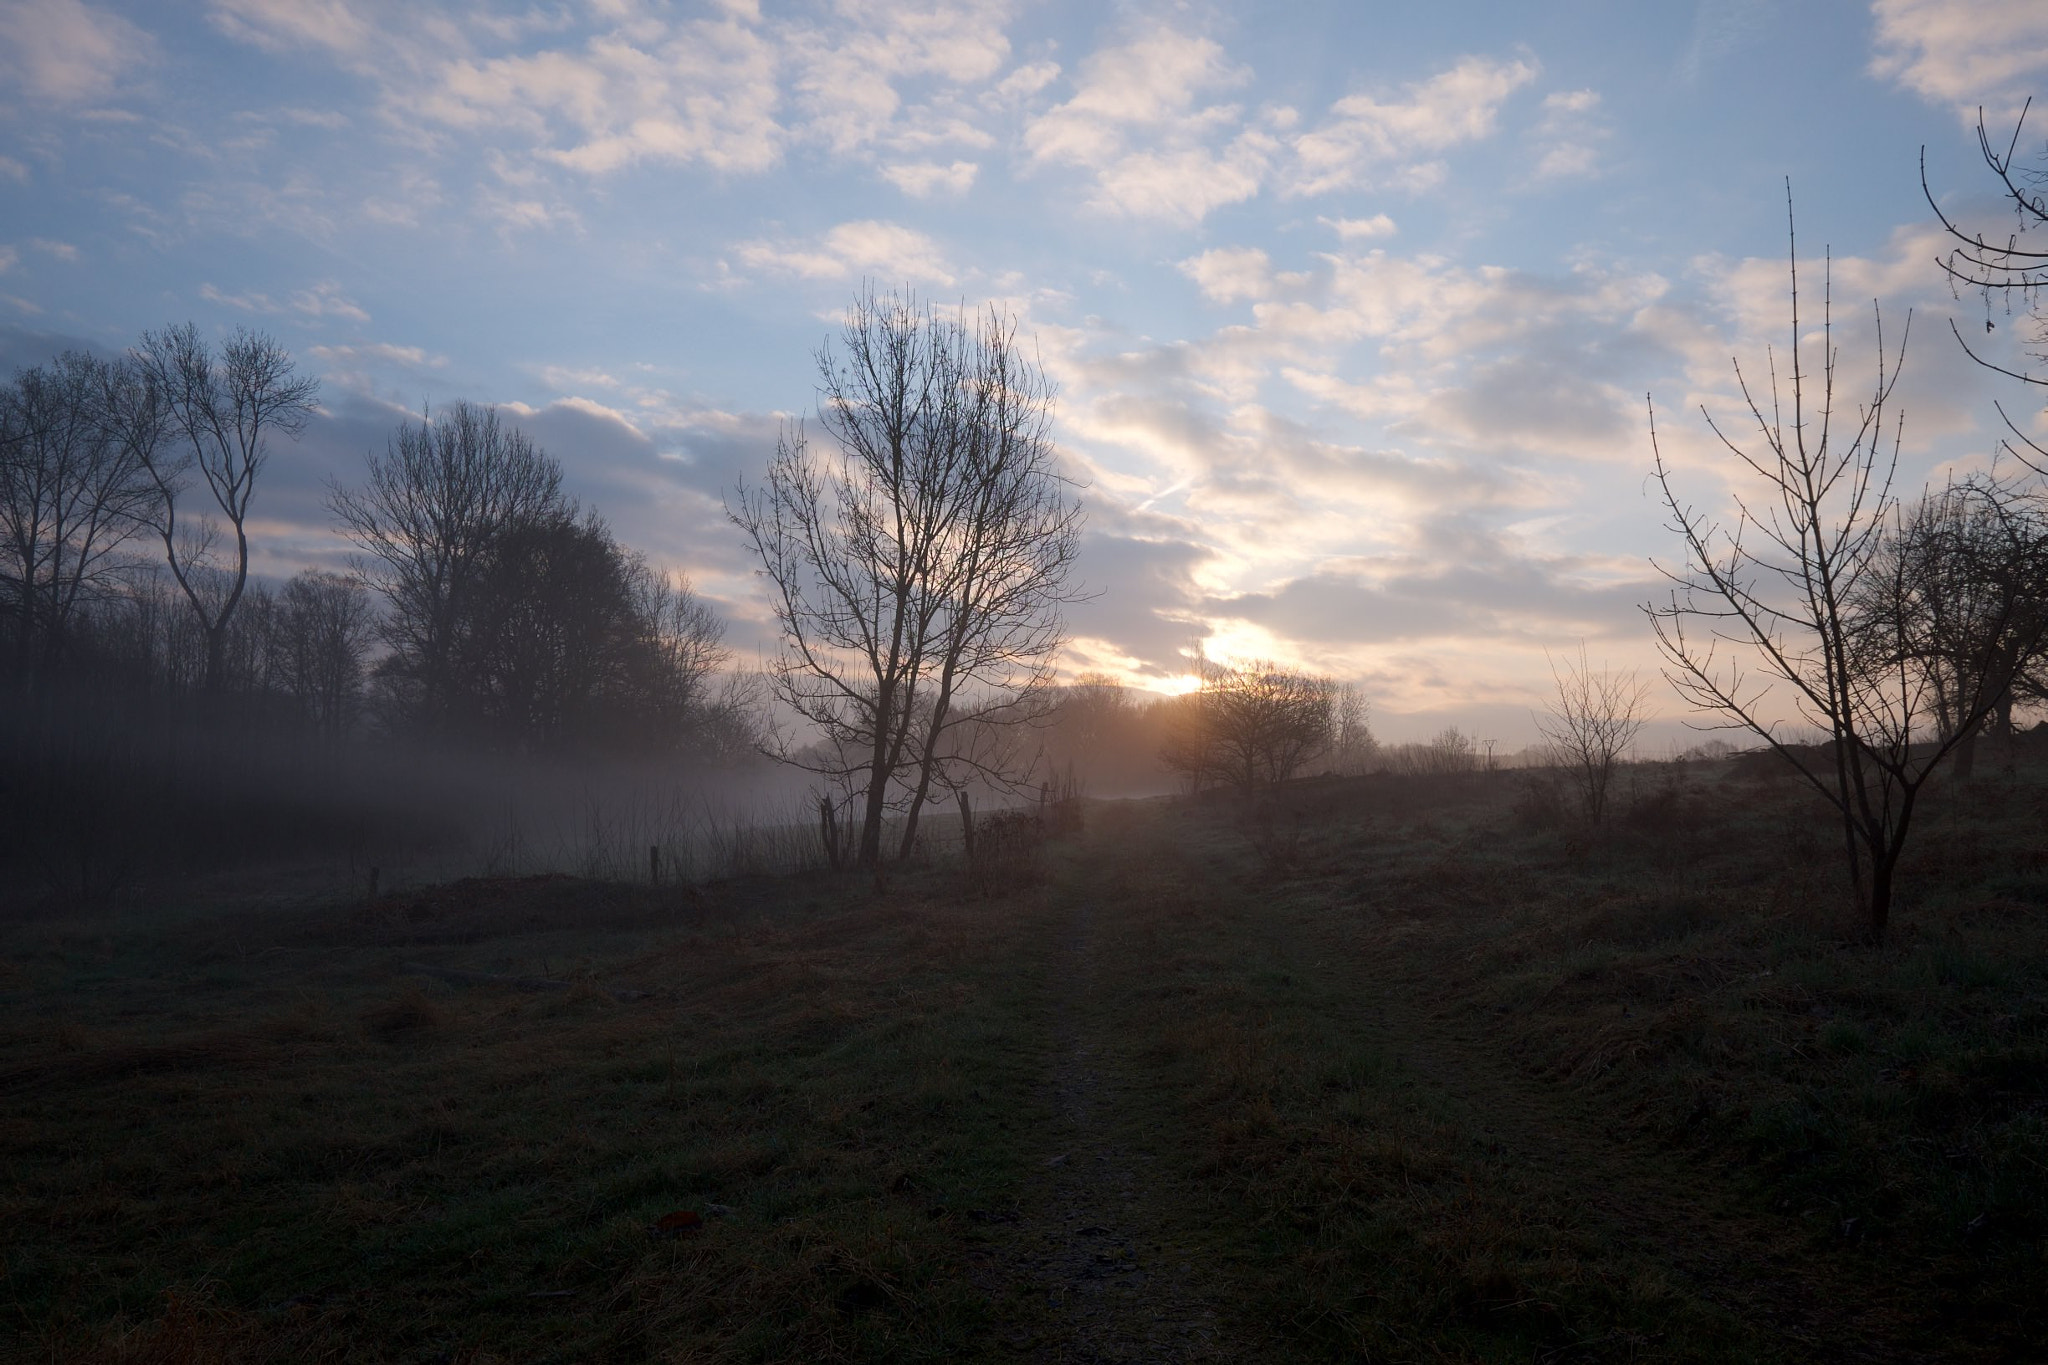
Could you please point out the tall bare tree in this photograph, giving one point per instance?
(1352, 745)
(219, 408)
(72, 493)
(917, 570)
(1592, 721)
(1763, 627)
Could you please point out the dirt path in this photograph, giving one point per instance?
(1093, 1267)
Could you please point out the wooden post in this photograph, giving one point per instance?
(828, 831)
(966, 826)
(654, 864)
(373, 882)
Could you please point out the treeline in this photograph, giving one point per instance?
(486, 607)
(162, 705)
(1245, 726)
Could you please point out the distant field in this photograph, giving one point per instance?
(1392, 1069)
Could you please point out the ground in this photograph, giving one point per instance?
(1387, 1070)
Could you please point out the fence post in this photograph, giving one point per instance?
(966, 825)
(654, 864)
(828, 830)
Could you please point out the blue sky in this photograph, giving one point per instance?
(1353, 307)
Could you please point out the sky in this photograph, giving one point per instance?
(1353, 308)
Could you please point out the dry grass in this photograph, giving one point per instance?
(1409, 1073)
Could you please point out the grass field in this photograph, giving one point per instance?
(1394, 1070)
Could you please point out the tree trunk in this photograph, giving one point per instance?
(216, 659)
(1966, 755)
(878, 780)
(1881, 894)
(926, 762)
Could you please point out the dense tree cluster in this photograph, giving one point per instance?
(486, 607)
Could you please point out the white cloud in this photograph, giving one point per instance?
(1963, 53)
(1137, 124)
(280, 25)
(848, 74)
(325, 300)
(1360, 229)
(1228, 274)
(65, 51)
(566, 377)
(1367, 142)
(887, 251)
(9, 258)
(1025, 81)
(1568, 137)
(412, 357)
(13, 169)
(922, 179)
(705, 94)
(251, 302)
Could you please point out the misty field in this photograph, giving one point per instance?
(1390, 1068)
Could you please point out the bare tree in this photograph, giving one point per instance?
(1591, 723)
(219, 410)
(2006, 268)
(679, 643)
(1250, 725)
(321, 636)
(1352, 745)
(917, 570)
(425, 521)
(72, 493)
(1777, 589)
(1959, 594)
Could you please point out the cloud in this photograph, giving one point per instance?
(62, 251)
(323, 300)
(849, 74)
(704, 93)
(282, 25)
(66, 52)
(356, 368)
(601, 88)
(1720, 29)
(1963, 53)
(1229, 274)
(887, 251)
(922, 179)
(1137, 125)
(1360, 229)
(9, 258)
(1568, 137)
(251, 302)
(1370, 142)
